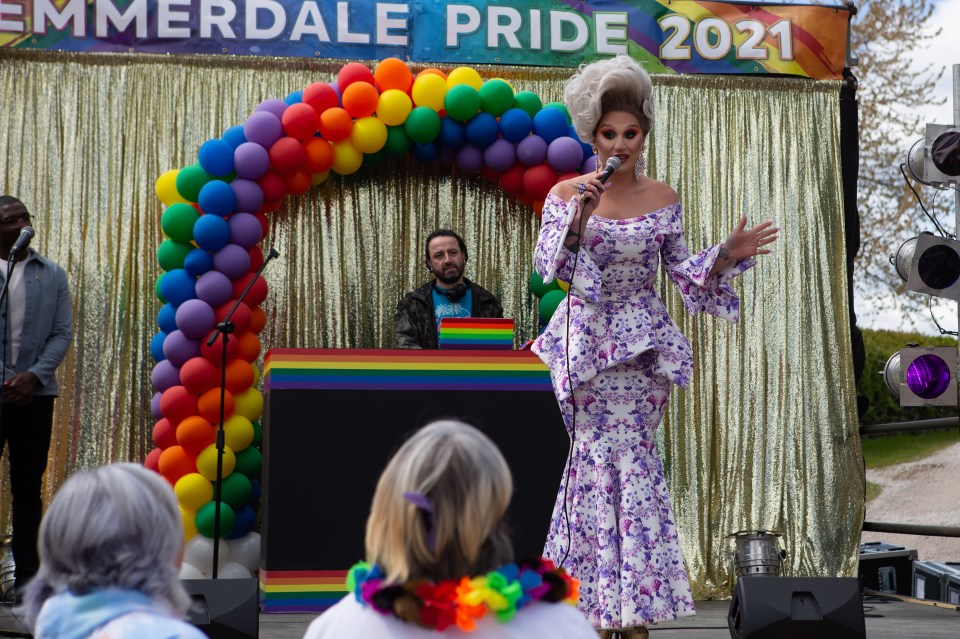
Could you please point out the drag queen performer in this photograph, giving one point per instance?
(624, 352)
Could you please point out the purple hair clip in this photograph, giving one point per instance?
(423, 502)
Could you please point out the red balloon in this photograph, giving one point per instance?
(258, 319)
(511, 180)
(489, 174)
(272, 186)
(239, 371)
(164, 434)
(299, 182)
(248, 348)
(258, 292)
(214, 353)
(319, 155)
(335, 124)
(209, 405)
(264, 222)
(538, 180)
(240, 319)
(567, 176)
(177, 403)
(175, 462)
(320, 96)
(195, 433)
(256, 258)
(287, 156)
(354, 72)
(152, 461)
(198, 375)
(300, 121)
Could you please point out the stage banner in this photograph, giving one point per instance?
(667, 36)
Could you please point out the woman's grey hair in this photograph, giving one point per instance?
(614, 84)
(117, 526)
(438, 509)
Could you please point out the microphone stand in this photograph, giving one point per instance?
(225, 329)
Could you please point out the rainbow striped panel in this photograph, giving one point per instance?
(359, 369)
(301, 590)
(476, 333)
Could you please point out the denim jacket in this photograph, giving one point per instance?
(47, 325)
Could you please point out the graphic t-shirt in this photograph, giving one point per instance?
(443, 306)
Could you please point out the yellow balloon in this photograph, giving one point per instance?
(464, 75)
(318, 178)
(238, 433)
(369, 134)
(564, 286)
(394, 107)
(189, 520)
(249, 404)
(429, 91)
(346, 158)
(193, 490)
(256, 371)
(166, 188)
(207, 462)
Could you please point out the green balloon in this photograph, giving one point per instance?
(528, 101)
(496, 96)
(249, 461)
(178, 220)
(171, 254)
(373, 159)
(562, 107)
(422, 125)
(538, 288)
(190, 180)
(257, 434)
(398, 143)
(461, 102)
(549, 303)
(156, 289)
(236, 490)
(206, 517)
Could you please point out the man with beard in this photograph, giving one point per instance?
(449, 294)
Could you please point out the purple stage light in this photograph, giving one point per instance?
(928, 376)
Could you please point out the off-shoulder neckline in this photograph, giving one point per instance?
(625, 219)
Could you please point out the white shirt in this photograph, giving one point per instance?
(348, 619)
(17, 294)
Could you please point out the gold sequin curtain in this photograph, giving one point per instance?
(766, 435)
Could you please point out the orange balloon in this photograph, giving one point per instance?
(433, 71)
(175, 462)
(195, 433)
(239, 376)
(209, 405)
(335, 124)
(360, 99)
(393, 73)
(258, 319)
(319, 153)
(248, 346)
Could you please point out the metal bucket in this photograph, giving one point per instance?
(757, 553)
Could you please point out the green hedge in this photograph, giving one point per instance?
(884, 407)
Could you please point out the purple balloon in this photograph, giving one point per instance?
(165, 375)
(274, 106)
(564, 154)
(470, 158)
(262, 128)
(195, 318)
(500, 155)
(251, 161)
(245, 229)
(589, 165)
(532, 150)
(232, 260)
(249, 195)
(155, 407)
(179, 348)
(214, 288)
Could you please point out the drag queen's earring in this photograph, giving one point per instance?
(596, 158)
(640, 166)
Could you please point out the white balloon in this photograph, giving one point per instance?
(232, 570)
(189, 571)
(246, 551)
(199, 552)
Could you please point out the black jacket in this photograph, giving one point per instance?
(415, 324)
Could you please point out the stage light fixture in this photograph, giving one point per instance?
(923, 375)
(930, 264)
(941, 158)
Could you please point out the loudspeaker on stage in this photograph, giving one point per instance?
(224, 608)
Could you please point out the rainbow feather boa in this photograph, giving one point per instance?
(503, 592)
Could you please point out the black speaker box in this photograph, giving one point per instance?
(796, 608)
(224, 608)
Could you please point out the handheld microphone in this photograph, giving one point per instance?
(613, 163)
(26, 233)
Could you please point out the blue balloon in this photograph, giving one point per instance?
(156, 347)
(167, 318)
(211, 233)
(452, 134)
(515, 124)
(425, 153)
(246, 518)
(178, 286)
(482, 130)
(198, 262)
(234, 136)
(294, 98)
(217, 198)
(550, 123)
(587, 149)
(255, 494)
(216, 157)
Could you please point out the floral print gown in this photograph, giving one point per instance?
(625, 351)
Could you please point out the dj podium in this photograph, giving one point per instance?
(332, 420)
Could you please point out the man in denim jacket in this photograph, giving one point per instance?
(36, 323)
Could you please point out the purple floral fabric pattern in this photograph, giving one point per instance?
(624, 350)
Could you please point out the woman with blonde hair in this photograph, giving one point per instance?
(613, 351)
(438, 554)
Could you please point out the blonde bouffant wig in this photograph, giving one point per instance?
(615, 84)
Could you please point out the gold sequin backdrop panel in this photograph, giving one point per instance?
(85, 136)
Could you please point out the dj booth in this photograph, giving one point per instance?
(332, 420)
